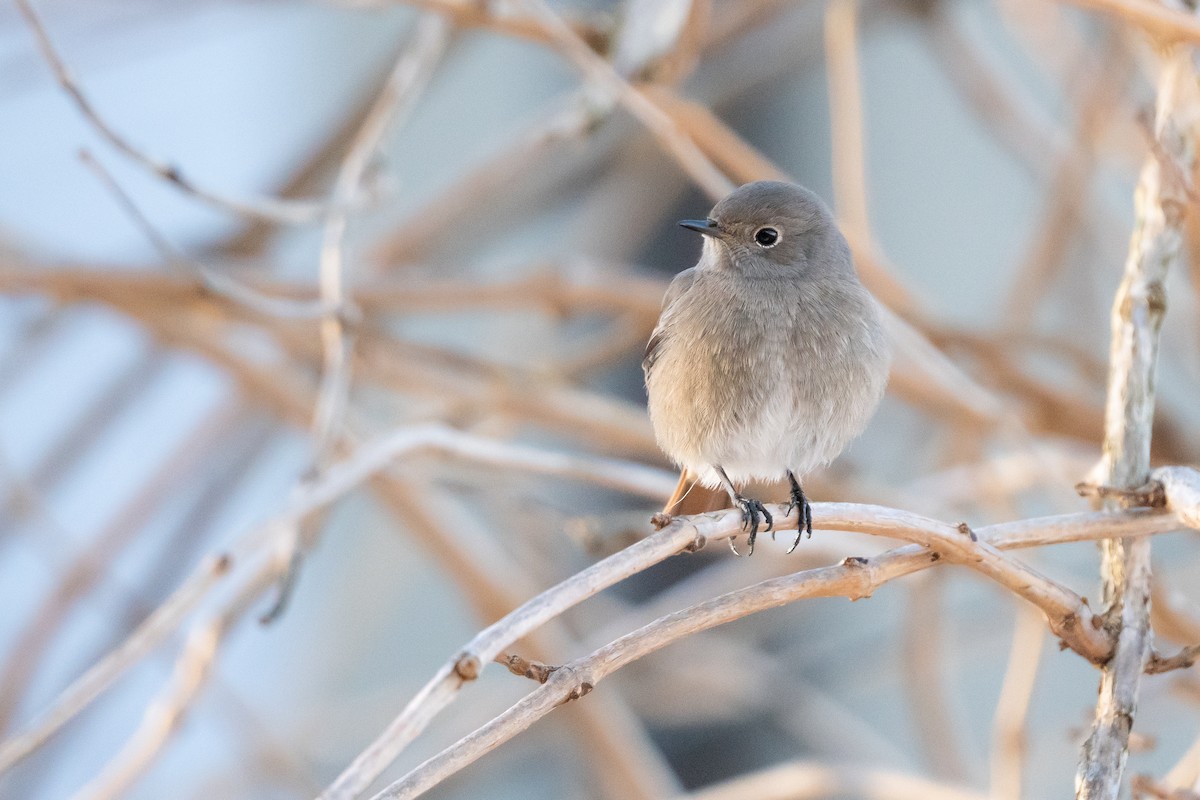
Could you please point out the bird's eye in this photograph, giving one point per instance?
(766, 237)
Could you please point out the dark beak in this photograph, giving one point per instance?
(706, 226)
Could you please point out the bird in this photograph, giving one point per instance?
(769, 355)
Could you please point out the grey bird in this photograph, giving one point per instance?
(769, 355)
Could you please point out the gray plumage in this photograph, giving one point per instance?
(766, 358)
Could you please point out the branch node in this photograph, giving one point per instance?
(525, 668)
(1149, 495)
(661, 520)
(854, 562)
(1158, 663)
(468, 667)
(579, 691)
(965, 530)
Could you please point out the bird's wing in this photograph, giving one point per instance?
(679, 286)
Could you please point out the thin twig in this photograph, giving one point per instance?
(285, 212)
(406, 82)
(629, 762)
(85, 571)
(598, 71)
(1185, 658)
(217, 282)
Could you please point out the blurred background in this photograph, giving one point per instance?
(171, 381)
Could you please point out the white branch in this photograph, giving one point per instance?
(688, 532)
(854, 578)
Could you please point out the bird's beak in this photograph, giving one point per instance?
(707, 227)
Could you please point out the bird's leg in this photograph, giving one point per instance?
(753, 511)
(801, 502)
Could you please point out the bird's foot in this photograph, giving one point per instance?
(801, 502)
(753, 512)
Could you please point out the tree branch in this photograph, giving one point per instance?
(286, 212)
(1155, 248)
(855, 579)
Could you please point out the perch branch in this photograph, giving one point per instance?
(687, 533)
(854, 578)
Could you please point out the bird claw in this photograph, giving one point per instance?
(753, 512)
(804, 526)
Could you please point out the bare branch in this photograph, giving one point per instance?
(104, 673)
(163, 716)
(857, 579)
(846, 118)
(1009, 740)
(804, 780)
(366, 461)
(854, 578)
(286, 212)
(598, 71)
(1155, 248)
(409, 77)
(1185, 658)
(1160, 21)
(212, 280)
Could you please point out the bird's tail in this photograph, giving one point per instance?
(693, 497)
